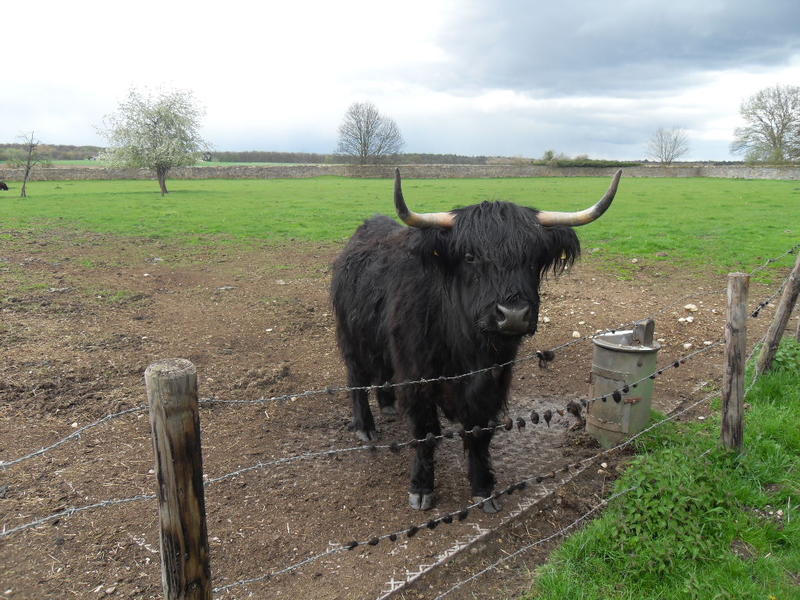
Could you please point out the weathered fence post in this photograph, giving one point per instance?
(172, 396)
(735, 348)
(781, 319)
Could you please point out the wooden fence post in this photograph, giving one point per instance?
(781, 319)
(735, 348)
(172, 396)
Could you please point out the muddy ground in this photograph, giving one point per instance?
(83, 316)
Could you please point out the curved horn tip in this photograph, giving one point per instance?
(615, 181)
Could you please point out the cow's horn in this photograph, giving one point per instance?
(409, 217)
(582, 216)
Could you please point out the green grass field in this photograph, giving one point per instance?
(727, 224)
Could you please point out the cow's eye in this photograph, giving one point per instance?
(469, 258)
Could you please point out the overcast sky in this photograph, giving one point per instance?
(499, 77)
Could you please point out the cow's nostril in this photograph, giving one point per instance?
(513, 320)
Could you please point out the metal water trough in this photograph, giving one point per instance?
(620, 359)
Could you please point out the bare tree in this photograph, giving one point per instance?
(772, 133)
(668, 145)
(367, 134)
(27, 159)
(155, 132)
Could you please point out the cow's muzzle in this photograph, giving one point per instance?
(513, 321)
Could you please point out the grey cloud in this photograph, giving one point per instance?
(584, 47)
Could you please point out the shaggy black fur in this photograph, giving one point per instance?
(3, 186)
(419, 303)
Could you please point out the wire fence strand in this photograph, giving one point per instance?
(372, 447)
(539, 542)
(344, 389)
(72, 436)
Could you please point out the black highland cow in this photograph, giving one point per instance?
(3, 186)
(452, 293)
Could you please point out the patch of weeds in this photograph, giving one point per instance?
(787, 358)
(87, 263)
(33, 287)
(661, 523)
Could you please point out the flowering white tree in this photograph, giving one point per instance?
(155, 132)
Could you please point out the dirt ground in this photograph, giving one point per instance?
(83, 316)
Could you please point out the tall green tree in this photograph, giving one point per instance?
(154, 131)
(772, 133)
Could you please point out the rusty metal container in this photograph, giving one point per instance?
(620, 359)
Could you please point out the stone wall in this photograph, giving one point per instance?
(409, 171)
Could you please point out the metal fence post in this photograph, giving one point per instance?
(172, 396)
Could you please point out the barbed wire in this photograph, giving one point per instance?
(431, 523)
(540, 355)
(288, 569)
(74, 435)
(463, 513)
(608, 500)
(603, 503)
(764, 303)
(71, 511)
(769, 261)
(507, 425)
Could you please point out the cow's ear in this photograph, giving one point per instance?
(560, 248)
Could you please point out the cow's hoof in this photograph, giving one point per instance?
(388, 411)
(367, 436)
(420, 501)
(490, 505)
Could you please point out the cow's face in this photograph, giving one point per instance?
(493, 256)
(493, 259)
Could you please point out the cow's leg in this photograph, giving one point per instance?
(481, 475)
(386, 402)
(363, 423)
(386, 395)
(424, 420)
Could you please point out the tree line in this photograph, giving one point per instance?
(50, 151)
(161, 131)
(414, 158)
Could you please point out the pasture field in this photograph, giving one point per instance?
(100, 279)
(723, 223)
